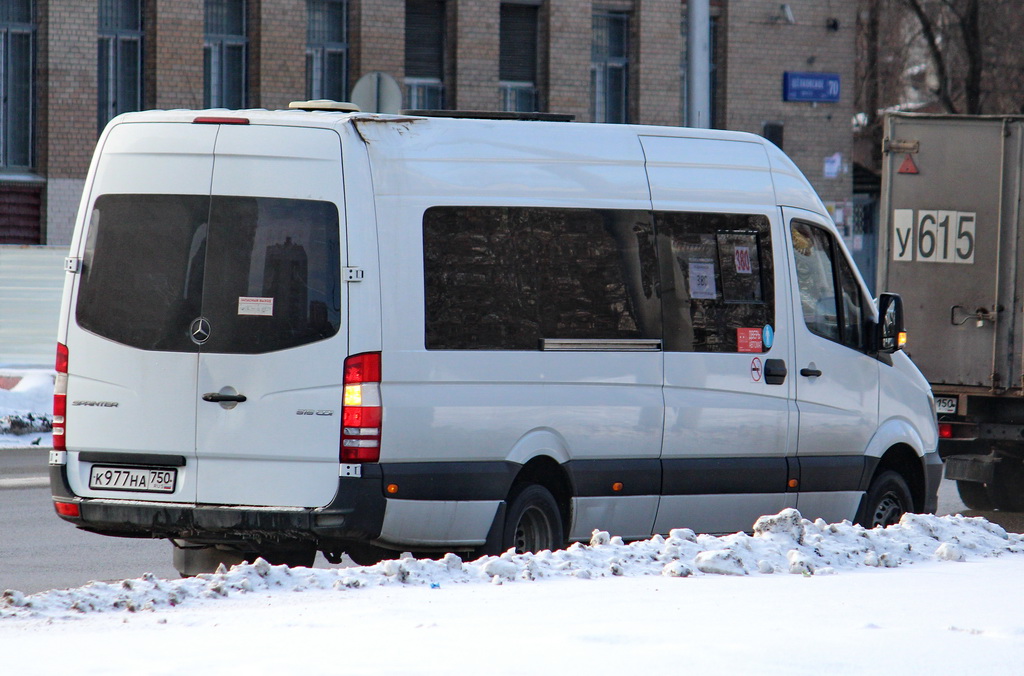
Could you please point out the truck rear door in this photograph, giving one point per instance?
(950, 200)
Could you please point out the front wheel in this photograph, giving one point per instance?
(887, 500)
(532, 521)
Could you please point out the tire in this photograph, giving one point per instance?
(294, 556)
(1007, 487)
(367, 555)
(975, 496)
(888, 498)
(191, 561)
(533, 522)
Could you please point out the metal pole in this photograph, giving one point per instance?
(698, 63)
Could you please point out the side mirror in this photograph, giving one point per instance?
(892, 335)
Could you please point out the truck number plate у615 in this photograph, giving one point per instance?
(144, 480)
(945, 404)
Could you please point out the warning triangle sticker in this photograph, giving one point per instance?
(908, 166)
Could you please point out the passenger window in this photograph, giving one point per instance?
(503, 278)
(812, 248)
(265, 272)
(819, 264)
(853, 307)
(717, 279)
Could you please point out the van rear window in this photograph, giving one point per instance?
(264, 272)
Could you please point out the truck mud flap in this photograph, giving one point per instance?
(976, 468)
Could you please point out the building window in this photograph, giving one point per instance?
(327, 49)
(518, 58)
(16, 83)
(119, 59)
(609, 64)
(224, 54)
(424, 54)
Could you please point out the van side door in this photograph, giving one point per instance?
(728, 348)
(836, 379)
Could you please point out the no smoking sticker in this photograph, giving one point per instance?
(755, 369)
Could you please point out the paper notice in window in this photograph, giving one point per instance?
(253, 306)
(702, 279)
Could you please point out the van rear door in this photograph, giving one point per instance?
(132, 368)
(271, 344)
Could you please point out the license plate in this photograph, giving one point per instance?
(945, 404)
(139, 479)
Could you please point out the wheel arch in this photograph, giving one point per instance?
(905, 461)
(551, 474)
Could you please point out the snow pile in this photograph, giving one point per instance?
(783, 543)
(27, 407)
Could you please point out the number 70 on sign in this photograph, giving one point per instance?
(933, 236)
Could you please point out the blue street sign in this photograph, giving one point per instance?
(820, 87)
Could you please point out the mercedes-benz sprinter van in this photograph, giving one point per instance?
(299, 331)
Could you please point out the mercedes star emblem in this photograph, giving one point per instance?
(200, 330)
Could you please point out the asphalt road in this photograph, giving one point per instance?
(39, 551)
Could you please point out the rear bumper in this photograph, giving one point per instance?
(356, 513)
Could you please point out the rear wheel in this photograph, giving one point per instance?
(1007, 487)
(888, 498)
(190, 561)
(975, 495)
(532, 521)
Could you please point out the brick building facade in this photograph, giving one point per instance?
(604, 60)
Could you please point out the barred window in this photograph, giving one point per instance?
(609, 65)
(16, 83)
(224, 54)
(518, 58)
(327, 49)
(424, 54)
(119, 59)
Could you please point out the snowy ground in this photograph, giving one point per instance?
(932, 595)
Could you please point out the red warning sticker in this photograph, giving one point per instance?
(755, 369)
(749, 340)
(908, 166)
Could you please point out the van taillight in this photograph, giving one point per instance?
(60, 398)
(361, 409)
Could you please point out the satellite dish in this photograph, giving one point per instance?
(377, 93)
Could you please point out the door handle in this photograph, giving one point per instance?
(774, 371)
(217, 397)
(810, 373)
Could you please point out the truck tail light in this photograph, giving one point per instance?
(60, 398)
(945, 431)
(361, 414)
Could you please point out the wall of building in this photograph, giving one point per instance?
(756, 46)
(760, 46)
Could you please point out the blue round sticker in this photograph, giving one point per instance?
(767, 336)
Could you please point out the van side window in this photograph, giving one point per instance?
(265, 272)
(718, 281)
(839, 317)
(853, 307)
(503, 278)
